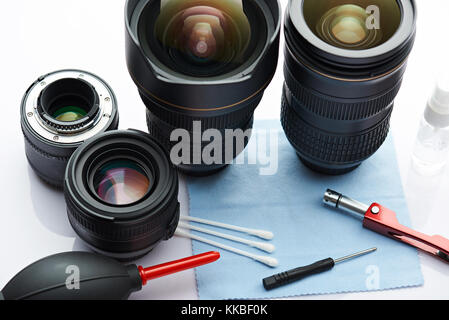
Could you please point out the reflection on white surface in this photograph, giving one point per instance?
(421, 196)
(51, 212)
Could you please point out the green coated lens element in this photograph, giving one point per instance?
(70, 114)
(121, 182)
(353, 24)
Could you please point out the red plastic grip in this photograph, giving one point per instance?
(386, 223)
(177, 266)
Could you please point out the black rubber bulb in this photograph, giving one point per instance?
(56, 278)
(88, 276)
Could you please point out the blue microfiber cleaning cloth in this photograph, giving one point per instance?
(289, 203)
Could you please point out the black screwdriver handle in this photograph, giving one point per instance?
(294, 275)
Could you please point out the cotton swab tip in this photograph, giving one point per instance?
(267, 247)
(267, 235)
(271, 262)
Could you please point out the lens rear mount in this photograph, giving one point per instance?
(98, 98)
(125, 210)
(59, 112)
(68, 104)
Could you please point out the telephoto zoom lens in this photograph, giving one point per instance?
(121, 192)
(59, 112)
(202, 65)
(345, 61)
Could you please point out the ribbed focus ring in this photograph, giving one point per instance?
(154, 225)
(328, 147)
(185, 121)
(42, 152)
(156, 132)
(161, 131)
(325, 107)
(48, 166)
(59, 161)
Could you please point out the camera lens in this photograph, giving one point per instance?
(59, 111)
(345, 62)
(201, 61)
(121, 192)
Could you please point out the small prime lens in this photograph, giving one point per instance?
(121, 192)
(345, 61)
(59, 112)
(202, 62)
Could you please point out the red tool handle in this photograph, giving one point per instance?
(384, 221)
(177, 266)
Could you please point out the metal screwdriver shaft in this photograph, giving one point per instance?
(355, 255)
(294, 275)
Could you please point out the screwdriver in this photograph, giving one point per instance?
(294, 275)
(88, 276)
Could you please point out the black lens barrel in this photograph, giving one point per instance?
(336, 109)
(124, 232)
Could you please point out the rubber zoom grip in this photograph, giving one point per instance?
(294, 275)
(339, 108)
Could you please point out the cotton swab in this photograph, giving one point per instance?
(267, 247)
(267, 235)
(269, 261)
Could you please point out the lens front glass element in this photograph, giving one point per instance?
(121, 182)
(204, 33)
(203, 38)
(353, 24)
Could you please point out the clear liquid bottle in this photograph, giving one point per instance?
(431, 152)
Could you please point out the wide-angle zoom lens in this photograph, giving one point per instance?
(59, 112)
(121, 192)
(345, 61)
(201, 61)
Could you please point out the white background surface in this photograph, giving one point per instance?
(40, 36)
